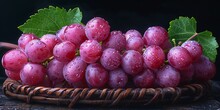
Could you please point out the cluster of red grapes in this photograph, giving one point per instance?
(92, 56)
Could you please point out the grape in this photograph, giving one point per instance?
(96, 75)
(14, 60)
(60, 33)
(14, 75)
(110, 59)
(194, 48)
(132, 33)
(168, 76)
(166, 45)
(24, 39)
(80, 84)
(64, 51)
(186, 75)
(55, 70)
(60, 84)
(37, 51)
(74, 71)
(155, 35)
(32, 74)
(50, 40)
(154, 57)
(135, 43)
(204, 69)
(116, 40)
(97, 29)
(132, 62)
(179, 58)
(145, 79)
(46, 82)
(75, 33)
(117, 78)
(90, 51)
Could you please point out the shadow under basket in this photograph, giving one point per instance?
(105, 97)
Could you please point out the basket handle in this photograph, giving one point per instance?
(8, 45)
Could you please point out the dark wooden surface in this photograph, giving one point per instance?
(211, 102)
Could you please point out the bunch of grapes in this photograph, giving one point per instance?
(93, 56)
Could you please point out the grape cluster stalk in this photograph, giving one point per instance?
(94, 56)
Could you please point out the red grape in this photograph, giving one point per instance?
(204, 69)
(14, 60)
(32, 74)
(50, 40)
(135, 43)
(37, 51)
(14, 75)
(155, 35)
(90, 51)
(55, 70)
(166, 45)
(64, 51)
(179, 58)
(194, 48)
(110, 59)
(80, 84)
(96, 75)
(46, 82)
(167, 76)
(117, 78)
(145, 79)
(97, 29)
(132, 62)
(61, 84)
(75, 33)
(24, 39)
(74, 71)
(154, 57)
(186, 75)
(116, 40)
(132, 33)
(60, 33)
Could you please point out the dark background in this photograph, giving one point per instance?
(121, 15)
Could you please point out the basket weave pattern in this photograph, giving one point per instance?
(104, 97)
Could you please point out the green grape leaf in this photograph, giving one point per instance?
(50, 20)
(208, 43)
(183, 28)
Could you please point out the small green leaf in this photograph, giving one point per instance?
(50, 20)
(183, 28)
(208, 43)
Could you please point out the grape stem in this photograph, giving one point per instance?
(194, 35)
(8, 45)
(174, 42)
(77, 53)
(166, 62)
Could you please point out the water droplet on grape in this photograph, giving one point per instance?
(101, 26)
(77, 75)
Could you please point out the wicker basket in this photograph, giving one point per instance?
(105, 97)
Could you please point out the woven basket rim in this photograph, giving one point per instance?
(106, 96)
